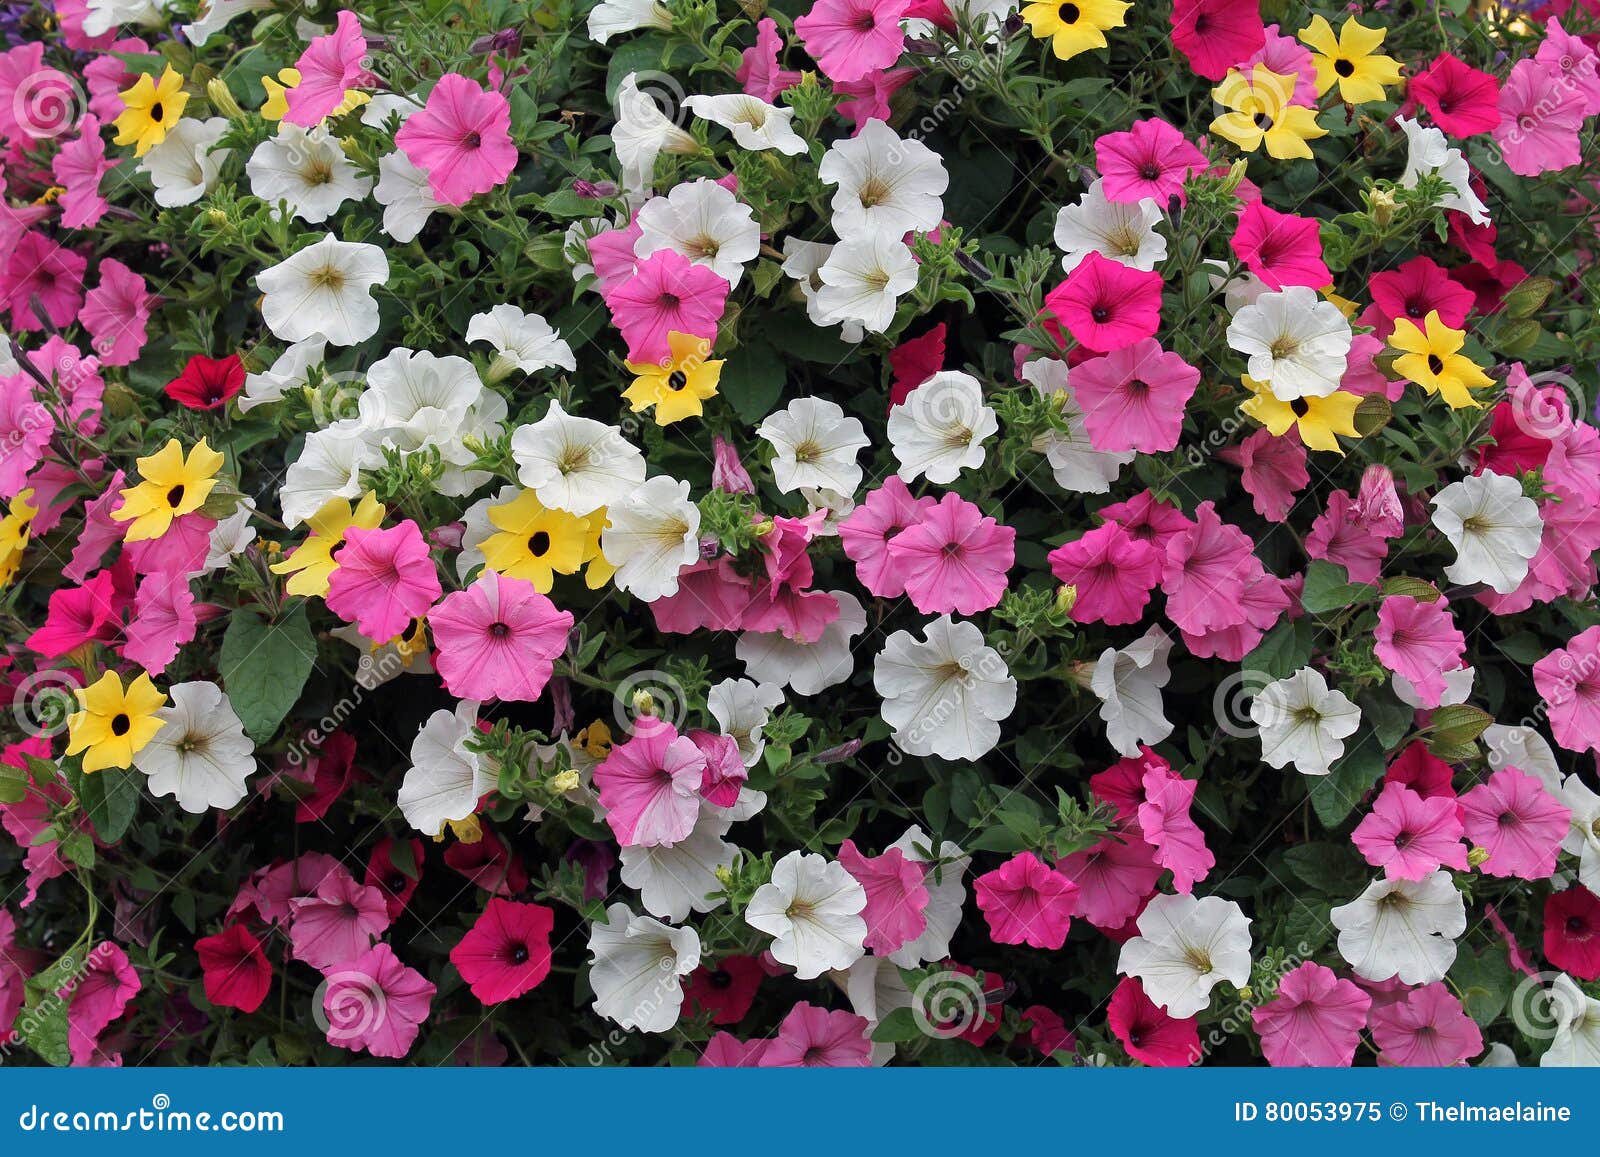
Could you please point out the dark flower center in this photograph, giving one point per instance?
(1435, 365)
(1301, 407)
(539, 544)
(472, 140)
(175, 496)
(1263, 121)
(157, 112)
(1344, 68)
(120, 724)
(1069, 13)
(721, 978)
(519, 954)
(677, 379)
(1100, 314)
(1150, 171)
(499, 630)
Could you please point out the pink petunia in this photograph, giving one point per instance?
(116, 312)
(758, 71)
(666, 294)
(39, 268)
(1314, 1021)
(498, 639)
(164, 620)
(1265, 599)
(330, 64)
(1338, 535)
(1164, 817)
(1113, 573)
(851, 38)
(377, 1004)
(1572, 63)
(1148, 519)
(1462, 100)
(461, 139)
(78, 168)
(1026, 901)
(1410, 836)
(1147, 1032)
(337, 922)
(101, 994)
(26, 428)
(1519, 823)
(817, 1038)
(88, 613)
(1286, 56)
(1133, 398)
(383, 579)
(1539, 121)
(1105, 305)
(1206, 571)
(868, 98)
(1214, 35)
(1420, 642)
(1568, 679)
(954, 559)
(1428, 1028)
(725, 772)
(865, 534)
(106, 76)
(650, 785)
(1150, 160)
(897, 896)
(1280, 248)
(1274, 470)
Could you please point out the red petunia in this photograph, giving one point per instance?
(237, 974)
(384, 874)
(207, 383)
(1462, 100)
(726, 991)
(1419, 287)
(914, 361)
(1572, 932)
(507, 952)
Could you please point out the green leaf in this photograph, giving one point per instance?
(1525, 298)
(264, 665)
(1327, 867)
(1390, 718)
(1457, 725)
(44, 1030)
(1485, 982)
(1408, 587)
(899, 1025)
(1336, 794)
(13, 784)
(1328, 588)
(111, 797)
(1285, 649)
(752, 380)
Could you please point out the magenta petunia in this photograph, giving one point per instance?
(817, 1038)
(384, 579)
(1104, 305)
(1206, 571)
(1165, 819)
(1133, 398)
(497, 639)
(1112, 572)
(650, 785)
(758, 70)
(1462, 100)
(725, 772)
(1427, 1028)
(330, 64)
(377, 1004)
(1572, 932)
(1151, 160)
(1147, 1032)
(99, 995)
(954, 559)
(1026, 901)
(236, 971)
(1413, 291)
(461, 138)
(851, 38)
(897, 896)
(1409, 836)
(1114, 879)
(666, 294)
(1280, 248)
(1519, 823)
(1314, 1021)
(506, 952)
(1217, 34)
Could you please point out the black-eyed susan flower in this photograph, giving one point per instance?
(15, 530)
(1431, 357)
(1074, 27)
(112, 723)
(535, 543)
(311, 565)
(1262, 114)
(149, 110)
(678, 385)
(173, 485)
(1350, 60)
(1319, 421)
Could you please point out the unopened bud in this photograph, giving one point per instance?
(565, 781)
(644, 703)
(1383, 207)
(221, 98)
(1066, 599)
(1477, 856)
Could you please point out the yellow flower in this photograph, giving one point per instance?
(1432, 357)
(1075, 27)
(1318, 419)
(150, 109)
(534, 542)
(1262, 114)
(173, 485)
(312, 561)
(597, 569)
(1350, 60)
(677, 385)
(14, 534)
(112, 724)
(413, 644)
(277, 102)
(594, 740)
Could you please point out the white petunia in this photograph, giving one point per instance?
(406, 196)
(1185, 946)
(1494, 527)
(946, 694)
(1583, 839)
(638, 969)
(674, 880)
(329, 466)
(1304, 722)
(215, 15)
(230, 537)
(1427, 152)
(1128, 683)
(521, 341)
(417, 401)
(874, 988)
(705, 223)
(201, 756)
(741, 708)
(946, 895)
(610, 17)
(650, 536)
(863, 279)
(290, 371)
(1124, 231)
(308, 170)
(1074, 461)
(1404, 928)
(446, 778)
(324, 288)
(184, 166)
(802, 261)
(805, 668)
(816, 444)
(812, 909)
(755, 124)
(642, 133)
(1297, 344)
(575, 464)
(888, 185)
(101, 16)
(1576, 1043)
(1524, 749)
(939, 430)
